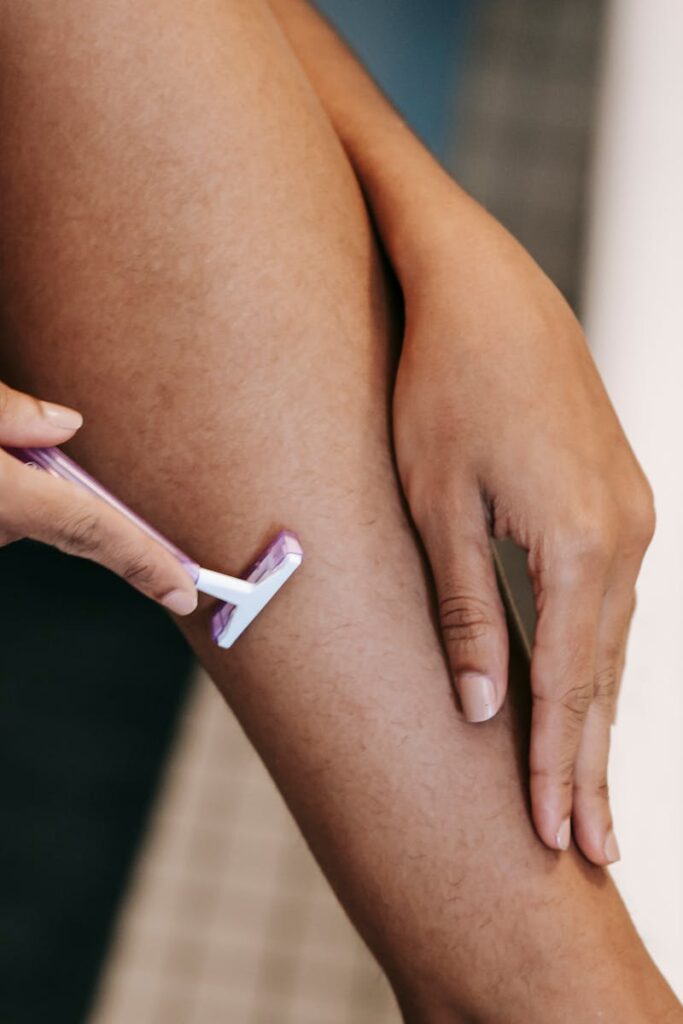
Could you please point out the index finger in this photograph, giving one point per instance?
(37, 505)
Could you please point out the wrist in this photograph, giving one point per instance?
(415, 203)
(427, 222)
(417, 215)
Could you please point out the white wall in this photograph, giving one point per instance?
(634, 318)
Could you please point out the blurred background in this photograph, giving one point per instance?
(148, 869)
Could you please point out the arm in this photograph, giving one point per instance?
(414, 202)
(502, 425)
(226, 331)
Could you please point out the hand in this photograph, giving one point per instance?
(35, 504)
(502, 426)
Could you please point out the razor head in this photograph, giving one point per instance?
(282, 557)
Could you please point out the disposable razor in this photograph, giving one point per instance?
(241, 599)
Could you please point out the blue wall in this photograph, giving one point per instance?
(414, 49)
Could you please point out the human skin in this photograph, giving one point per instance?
(188, 260)
(43, 508)
(501, 425)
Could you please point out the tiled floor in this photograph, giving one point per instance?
(228, 918)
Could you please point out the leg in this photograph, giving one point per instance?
(187, 259)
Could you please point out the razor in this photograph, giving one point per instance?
(241, 599)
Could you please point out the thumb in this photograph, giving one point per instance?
(471, 613)
(26, 422)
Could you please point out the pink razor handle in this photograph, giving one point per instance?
(241, 599)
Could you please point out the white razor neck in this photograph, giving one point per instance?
(225, 588)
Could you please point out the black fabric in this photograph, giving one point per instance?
(92, 676)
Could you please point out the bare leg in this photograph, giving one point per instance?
(186, 258)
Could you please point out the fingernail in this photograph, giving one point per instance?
(611, 848)
(564, 834)
(477, 695)
(181, 602)
(60, 416)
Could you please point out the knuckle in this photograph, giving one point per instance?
(139, 572)
(597, 786)
(642, 521)
(464, 619)
(584, 550)
(559, 772)
(593, 544)
(433, 500)
(606, 686)
(79, 534)
(575, 702)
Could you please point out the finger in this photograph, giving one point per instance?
(592, 816)
(27, 422)
(562, 678)
(471, 613)
(34, 504)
